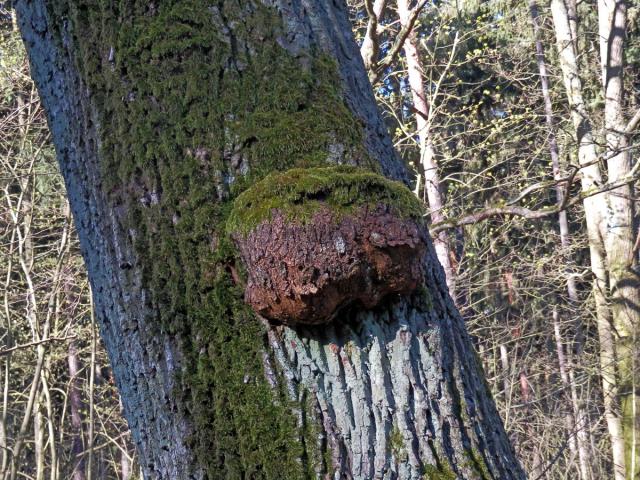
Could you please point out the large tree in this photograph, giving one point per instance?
(162, 113)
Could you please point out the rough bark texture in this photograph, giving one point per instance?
(307, 274)
(161, 114)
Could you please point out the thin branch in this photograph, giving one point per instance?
(6, 351)
(529, 214)
(568, 181)
(633, 123)
(371, 44)
(374, 73)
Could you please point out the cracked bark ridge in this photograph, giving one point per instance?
(306, 273)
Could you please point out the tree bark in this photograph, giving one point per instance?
(599, 218)
(624, 284)
(432, 184)
(161, 114)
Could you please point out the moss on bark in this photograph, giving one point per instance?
(300, 192)
(196, 101)
(443, 472)
(629, 392)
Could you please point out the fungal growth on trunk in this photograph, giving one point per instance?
(316, 240)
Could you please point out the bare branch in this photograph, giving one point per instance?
(633, 123)
(568, 181)
(529, 214)
(370, 48)
(374, 73)
(6, 351)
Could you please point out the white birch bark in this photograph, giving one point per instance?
(621, 232)
(577, 420)
(432, 183)
(596, 220)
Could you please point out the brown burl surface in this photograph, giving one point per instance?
(304, 274)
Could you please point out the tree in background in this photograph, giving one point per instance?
(500, 123)
(610, 217)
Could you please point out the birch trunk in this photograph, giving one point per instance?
(601, 213)
(432, 184)
(38, 438)
(624, 284)
(161, 113)
(577, 420)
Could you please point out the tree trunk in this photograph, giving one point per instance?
(38, 439)
(598, 231)
(370, 47)
(624, 284)
(76, 407)
(161, 114)
(577, 420)
(432, 184)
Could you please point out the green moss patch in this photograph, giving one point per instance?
(442, 472)
(300, 192)
(477, 464)
(195, 101)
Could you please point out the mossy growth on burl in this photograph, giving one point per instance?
(298, 193)
(315, 240)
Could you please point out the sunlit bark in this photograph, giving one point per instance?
(395, 392)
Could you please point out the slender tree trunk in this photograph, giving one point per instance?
(75, 402)
(432, 184)
(370, 48)
(564, 377)
(596, 218)
(577, 421)
(38, 438)
(6, 367)
(125, 466)
(525, 393)
(161, 114)
(506, 377)
(624, 284)
(53, 452)
(21, 214)
(92, 378)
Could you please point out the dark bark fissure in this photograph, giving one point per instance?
(161, 115)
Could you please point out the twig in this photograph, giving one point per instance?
(394, 51)
(513, 210)
(34, 344)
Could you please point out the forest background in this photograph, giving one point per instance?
(478, 96)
